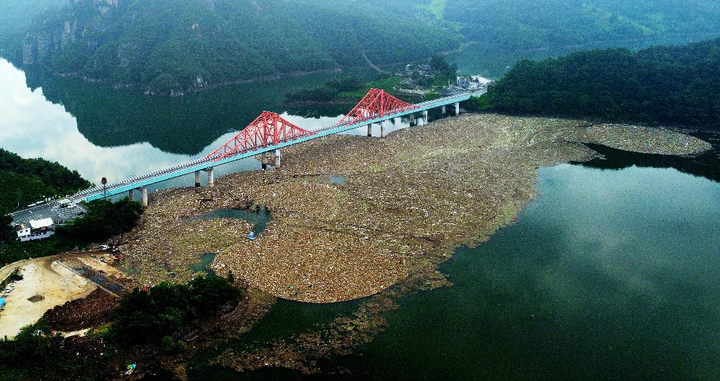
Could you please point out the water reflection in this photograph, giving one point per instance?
(31, 126)
(607, 274)
(119, 133)
(704, 164)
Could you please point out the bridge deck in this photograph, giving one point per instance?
(183, 169)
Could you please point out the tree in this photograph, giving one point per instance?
(104, 220)
(211, 293)
(442, 69)
(660, 85)
(154, 314)
(36, 353)
(7, 233)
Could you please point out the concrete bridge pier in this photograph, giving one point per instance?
(444, 110)
(412, 119)
(457, 108)
(144, 192)
(382, 129)
(197, 179)
(369, 133)
(211, 176)
(131, 194)
(425, 117)
(277, 158)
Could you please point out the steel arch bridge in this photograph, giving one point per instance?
(270, 132)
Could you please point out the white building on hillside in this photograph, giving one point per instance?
(38, 229)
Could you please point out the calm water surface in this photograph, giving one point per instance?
(608, 275)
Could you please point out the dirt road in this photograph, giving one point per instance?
(47, 282)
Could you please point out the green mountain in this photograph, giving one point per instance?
(522, 24)
(15, 19)
(659, 85)
(170, 46)
(28, 180)
(505, 31)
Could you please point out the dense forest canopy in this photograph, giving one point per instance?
(15, 18)
(24, 181)
(660, 85)
(168, 46)
(521, 24)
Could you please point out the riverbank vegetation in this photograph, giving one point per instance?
(146, 324)
(657, 86)
(423, 77)
(103, 220)
(157, 314)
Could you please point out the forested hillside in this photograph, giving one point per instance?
(15, 18)
(176, 45)
(498, 33)
(24, 181)
(521, 24)
(660, 85)
(167, 46)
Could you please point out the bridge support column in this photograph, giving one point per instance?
(277, 158)
(144, 197)
(412, 119)
(425, 117)
(382, 129)
(369, 134)
(211, 177)
(131, 194)
(457, 108)
(197, 179)
(444, 110)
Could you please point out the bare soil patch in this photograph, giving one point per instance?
(90, 311)
(52, 281)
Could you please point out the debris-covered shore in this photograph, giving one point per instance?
(355, 216)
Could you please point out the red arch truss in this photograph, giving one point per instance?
(268, 129)
(376, 104)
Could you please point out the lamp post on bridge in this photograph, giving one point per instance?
(104, 183)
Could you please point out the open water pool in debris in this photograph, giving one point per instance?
(205, 264)
(608, 273)
(259, 218)
(98, 278)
